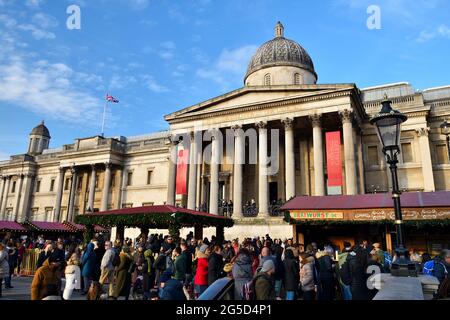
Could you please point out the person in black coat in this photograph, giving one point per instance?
(215, 265)
(354, 273)
(99, 252)
(325, 274)
(291, 274)
(44, 255)
(279, 269)
(186, 252)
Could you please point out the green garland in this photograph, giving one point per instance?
(159, 220)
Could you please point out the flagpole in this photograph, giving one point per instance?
(104, 112)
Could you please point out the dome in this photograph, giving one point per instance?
(41, 130)
(280, 52)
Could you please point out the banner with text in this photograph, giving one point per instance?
(183, 159)
(334, 162)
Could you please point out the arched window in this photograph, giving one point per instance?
(267, 79)
(297, 78)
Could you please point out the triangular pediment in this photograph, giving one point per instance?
(248, 96)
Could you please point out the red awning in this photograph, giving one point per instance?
(80, 227)
(11, 226)
(369, 201)
(49, 226)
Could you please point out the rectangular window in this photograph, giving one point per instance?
(67, 184)
(130, 178)
(80, 183)
(407, 155)
(127, 205)
(38, 186)
(372, 155)
(146, 204)
(149, 176)
(52, 185)
(13, 187)
(442, 154)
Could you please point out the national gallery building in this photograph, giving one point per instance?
(330, 161)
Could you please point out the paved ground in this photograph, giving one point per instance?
(22, 287)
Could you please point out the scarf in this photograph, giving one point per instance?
(148, 256)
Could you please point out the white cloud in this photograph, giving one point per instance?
(152, 85)
(230, 67)
(37, 33)
(34, 3)
(46, 89)
(443, 31)
(8, 21)
(44, 20)
(139, 4)
(168, 50)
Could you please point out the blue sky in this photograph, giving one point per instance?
(158, 56)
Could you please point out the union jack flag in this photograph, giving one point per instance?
(111, 99)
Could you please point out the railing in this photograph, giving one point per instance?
(29, 261)
(250, 211)
(275, 210)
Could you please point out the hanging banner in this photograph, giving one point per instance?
(334, 162)
(183, 159)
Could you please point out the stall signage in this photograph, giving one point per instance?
(316, 215)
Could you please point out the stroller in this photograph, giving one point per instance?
(138, 288)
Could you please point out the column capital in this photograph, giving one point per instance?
(288, 122)
(93, 166)
(172, 140)
(346, 116)
(261, 124)
(236, 127)
(108, 165)
(73, 169)
(315, 119)
(422, 131)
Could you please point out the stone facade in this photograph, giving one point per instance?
(100, 173)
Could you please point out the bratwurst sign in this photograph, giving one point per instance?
(316, 215)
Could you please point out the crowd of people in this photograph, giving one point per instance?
(161, 267)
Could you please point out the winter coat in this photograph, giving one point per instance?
(43, 255)
(73, 273)
(324, 267)
(45, 282)
(4, 265)
(201, 274)
(173, 290)
(107, 259)
(89, 262)
(441, 269)
(123, 277)
(215, 267)
(228, 254)
(264, 287)
(354, 275)
(307, 275)
(188, 260)
(291, 276)
(242, 273)
(180, 268)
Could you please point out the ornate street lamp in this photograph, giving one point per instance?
(387, 123)
(445, 130)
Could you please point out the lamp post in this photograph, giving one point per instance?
(445, 130)
(387, 123)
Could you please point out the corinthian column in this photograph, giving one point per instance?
(2, 189)
(319, 179)
(427, 167)
(73, 189)
(193, 159)
(349, 152)
(239, 159)
(59, 193)
(18, 197)
(25, 201)
(263, 188)
(5, 196)
(214, 185)
(92, 188)
(172, 172)
(289, 158)
(106, 185)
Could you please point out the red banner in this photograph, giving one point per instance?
(334, 162)
(182, 164)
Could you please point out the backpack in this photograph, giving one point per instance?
(248, 290)
(116, 260)
(428, 268)
(169, 263)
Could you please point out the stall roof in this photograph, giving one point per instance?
(157, 216)
(80, 227)
(369, 201)
(11, 226)
(48, 226)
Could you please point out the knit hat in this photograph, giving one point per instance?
(203, 248)
(267, 266)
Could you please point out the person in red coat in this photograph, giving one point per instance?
(201, 274)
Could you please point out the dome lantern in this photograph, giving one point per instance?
(39, 139)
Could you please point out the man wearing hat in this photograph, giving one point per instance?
(378, 251)
(45, 280)
(264, 286)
